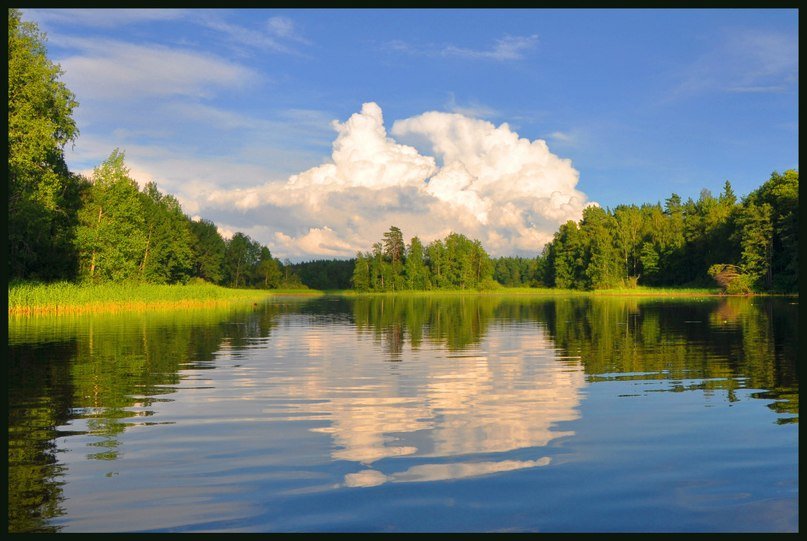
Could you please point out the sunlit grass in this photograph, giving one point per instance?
(659, 291)
(68, 297)
(549, 292)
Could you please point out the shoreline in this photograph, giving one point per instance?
(67, 298)
(549, 292)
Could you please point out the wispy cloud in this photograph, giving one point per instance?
(472, 109)
(770, 89)
(102, 18)
(110, 69)
(743, 61)
(296, 127)
(563, 137)
(276, 34)
(284, 28)
(506, 48)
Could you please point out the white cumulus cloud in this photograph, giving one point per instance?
(456, 174)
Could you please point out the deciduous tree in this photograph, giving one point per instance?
(43, 197)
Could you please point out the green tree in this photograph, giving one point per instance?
(566, 257)
(43, 196)
(110, 236)
(628, 233)
(502, 272)
(756, 234)
(326, 274)
(267, 269)
(781, 193)
(516, 271)
(208, 251)
(436, 261)
(415, 270)
(457, 261)
(361, 272)
(453, 263)
(379, 274)
(168, 257)
(394, 253)
(241, 257)
(291, 279)
(655, 240)
(480, 265)
(671, 253)
(649, 258)
(602, 265)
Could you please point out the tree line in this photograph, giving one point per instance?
(741, 245)
(64, 226)
(455, 262)
(744, 245)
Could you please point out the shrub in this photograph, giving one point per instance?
(631, 282)
(739, 285)
(731, 279)
(489, 284)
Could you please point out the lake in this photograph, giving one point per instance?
(450, 413)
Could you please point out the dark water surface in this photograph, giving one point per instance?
(450, 413)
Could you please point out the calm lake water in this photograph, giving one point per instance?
(450, 413)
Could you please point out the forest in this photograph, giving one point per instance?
(105, 228)
(742, 246)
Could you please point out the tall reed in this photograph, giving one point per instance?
(68, 297)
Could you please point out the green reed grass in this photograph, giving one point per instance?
(659, 291)
(68, 297)
(550, 292)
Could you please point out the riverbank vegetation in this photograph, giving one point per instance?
(27, 298)
(501, 291)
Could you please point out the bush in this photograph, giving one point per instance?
(631, 282)
(739, 285)
(730, 278)
(489, 284)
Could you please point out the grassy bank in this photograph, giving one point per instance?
(67, 297)
(552, 292)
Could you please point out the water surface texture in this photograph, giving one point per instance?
(446, 413)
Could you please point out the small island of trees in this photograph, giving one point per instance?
(455, 262)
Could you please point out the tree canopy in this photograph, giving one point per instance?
(684, 243)
(43, 196)
(455, 262)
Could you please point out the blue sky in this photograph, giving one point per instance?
(315, 130)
